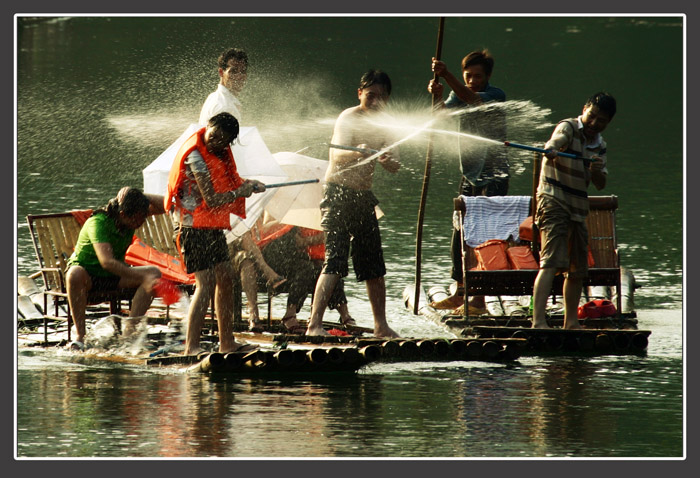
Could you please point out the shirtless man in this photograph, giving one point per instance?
(349, 218)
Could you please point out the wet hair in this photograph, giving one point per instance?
(377, 77)
(130, 201)
(232, 53)
(604, 101)
(479, 57)
(226, 122)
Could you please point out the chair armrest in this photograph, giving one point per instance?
(62, 282)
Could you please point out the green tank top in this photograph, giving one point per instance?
(99, 228)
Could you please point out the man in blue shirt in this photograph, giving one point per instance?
(484, 164)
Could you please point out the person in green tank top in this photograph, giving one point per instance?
(97, 262)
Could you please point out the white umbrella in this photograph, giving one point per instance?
(299, 205)
(253, 160)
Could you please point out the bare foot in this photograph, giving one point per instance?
(292, 325)
(130, 325)
(316, 331)
(239, 347)
(451, 302)
(193, 350)
(540, 324)
(573, 325)
(385, 333)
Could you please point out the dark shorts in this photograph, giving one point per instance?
(202, 249)
(352, 230)
(104, 283)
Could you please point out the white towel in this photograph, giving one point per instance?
(494, 217)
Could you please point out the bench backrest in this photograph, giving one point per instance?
(54, 237)
(602, 235)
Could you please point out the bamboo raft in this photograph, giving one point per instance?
(600, 336)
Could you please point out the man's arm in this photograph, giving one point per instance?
(105, 255)
(156, 206)
(560, 140)
(210, 196)
(460, 89)
(599, 177)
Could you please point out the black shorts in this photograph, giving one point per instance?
(352, 230)
(104, 283)
(202, 249)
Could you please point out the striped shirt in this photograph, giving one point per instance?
(567, 179)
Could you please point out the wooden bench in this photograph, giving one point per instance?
(602, 240)
(54, 237)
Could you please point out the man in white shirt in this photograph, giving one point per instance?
(247, 257)
(233, 71)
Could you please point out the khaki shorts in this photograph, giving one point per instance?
(564, 242)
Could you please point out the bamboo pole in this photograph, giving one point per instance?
(426, 178)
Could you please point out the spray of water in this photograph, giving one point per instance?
(524, 121)
(299, 116)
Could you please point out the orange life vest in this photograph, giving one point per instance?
(273, 232)
(224, 177)
(315, 251)
(141, 254)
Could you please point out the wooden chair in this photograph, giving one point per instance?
(158, 232)
(602, 240)
(54, 237)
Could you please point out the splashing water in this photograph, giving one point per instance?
(386, 149)
(524, 121)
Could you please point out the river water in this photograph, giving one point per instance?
(99, 98)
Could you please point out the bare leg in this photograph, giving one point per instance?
(345, 317)
(143, 296)
(477, 302)
(78, 284)
(376, 291)
(324, 289)
(204, 285)
(453, 301)
(543, 285)
(223, 301)
(249, 284)
(572, 296)
(252, 248)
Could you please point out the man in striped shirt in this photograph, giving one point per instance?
(562, 204)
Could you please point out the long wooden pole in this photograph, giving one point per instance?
(426, 179)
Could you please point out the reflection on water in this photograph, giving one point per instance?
(602, 407)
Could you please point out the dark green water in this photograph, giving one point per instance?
(98, 99)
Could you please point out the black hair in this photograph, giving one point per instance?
(130, 201)
(376, 77)
(232, 53)
(227, 123)
(605, 103)
(479, 57)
